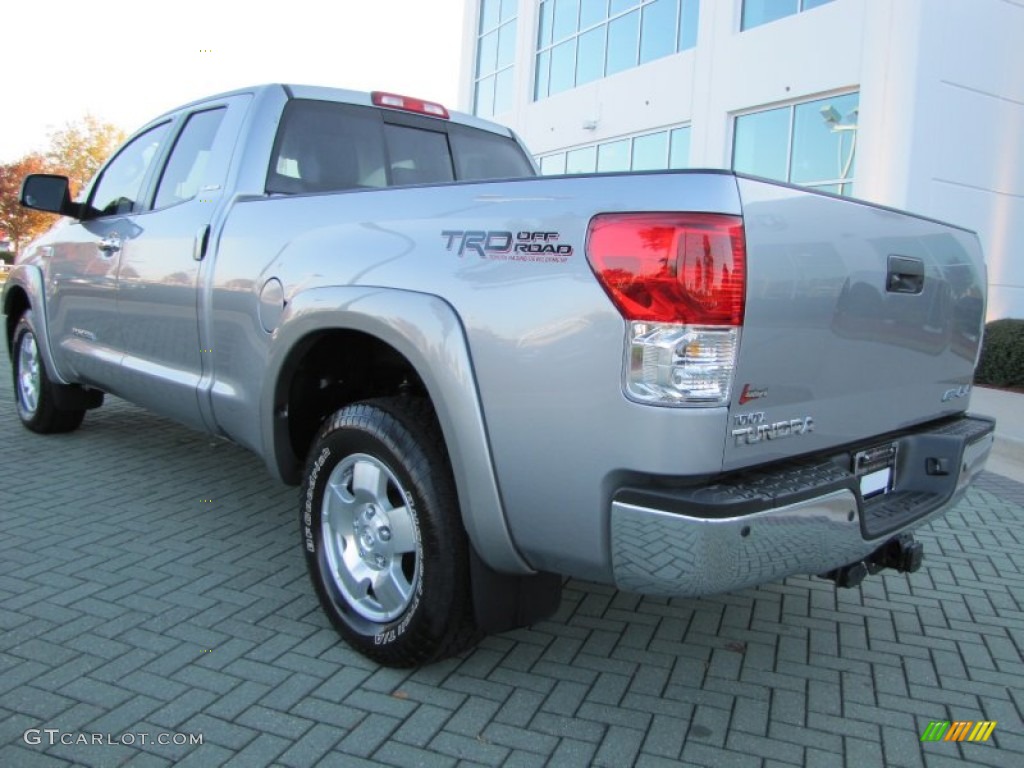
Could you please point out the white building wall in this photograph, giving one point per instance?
(941, 121)
(969, 162)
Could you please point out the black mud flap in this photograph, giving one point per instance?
(502, 601)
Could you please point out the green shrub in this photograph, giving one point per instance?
(1002, 355)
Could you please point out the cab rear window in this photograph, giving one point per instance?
(324, 146)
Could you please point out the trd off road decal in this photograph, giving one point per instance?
(500, 245)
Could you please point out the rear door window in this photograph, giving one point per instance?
(186, 167)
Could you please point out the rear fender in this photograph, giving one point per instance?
(429, 334)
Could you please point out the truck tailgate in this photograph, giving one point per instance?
(859, 321)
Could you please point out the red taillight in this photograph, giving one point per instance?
(686, 268)
(409, 104)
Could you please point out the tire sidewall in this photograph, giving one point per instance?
(429, 607)
(21, 330)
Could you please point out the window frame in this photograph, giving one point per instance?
(542, 50)
(668, 130)
(845, 185)
(493, 74)
(144, 197)
(178, 132)
(381, 118)
(799, 9)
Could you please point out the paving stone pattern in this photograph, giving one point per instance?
(152, 581)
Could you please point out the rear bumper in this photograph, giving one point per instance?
(805, 517)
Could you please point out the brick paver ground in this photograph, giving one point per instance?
(152, 582)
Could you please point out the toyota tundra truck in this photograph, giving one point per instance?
(676, 383)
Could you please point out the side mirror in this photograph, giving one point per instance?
(48, 192)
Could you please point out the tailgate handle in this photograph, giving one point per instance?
(906, 275)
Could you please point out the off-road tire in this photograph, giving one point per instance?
(396, 525)
(34, 398)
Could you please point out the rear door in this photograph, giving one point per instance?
(159, 272)
(859, 321)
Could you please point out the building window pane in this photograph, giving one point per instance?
(590, 58)
(679, 150)
(495, 57)
(566, 15)
(824, 140)
(487, 53)
(544, 28)
(646, 152)
(504, 90)
(508, 9)
(485, 97)
(489, 14)
(623, 34)
(581, 160)
(650, 153)
(592, 12)
(658, 30)
(563, 66)
(506, 46)
(552, 164)
(758, 12)
(618, 6)
(613, 156)
(688, 18)
(540, 88)
(813, 143)
(761, 143)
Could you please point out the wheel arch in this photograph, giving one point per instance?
(421, 337)
(15, 304)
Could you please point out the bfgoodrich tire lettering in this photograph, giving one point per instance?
(33, 390)
(381, 530)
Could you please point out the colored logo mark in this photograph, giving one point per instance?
(960, 730)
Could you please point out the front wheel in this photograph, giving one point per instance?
(384, 543)
(34, 394)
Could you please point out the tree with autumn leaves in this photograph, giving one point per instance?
(77, 150)
(20, 224)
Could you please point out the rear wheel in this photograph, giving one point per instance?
(384, 543)
(33, 389)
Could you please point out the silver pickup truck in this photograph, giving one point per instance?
(678, 383)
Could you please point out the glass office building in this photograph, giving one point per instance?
(882, 100)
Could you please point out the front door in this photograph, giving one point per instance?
(81, 272)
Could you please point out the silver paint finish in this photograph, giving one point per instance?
(544, 341)
(523, 360)
(827, 340)
(271, 304)
(427, 332)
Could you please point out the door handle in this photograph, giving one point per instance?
(906, 275)
(110, 245)
(201, 242)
